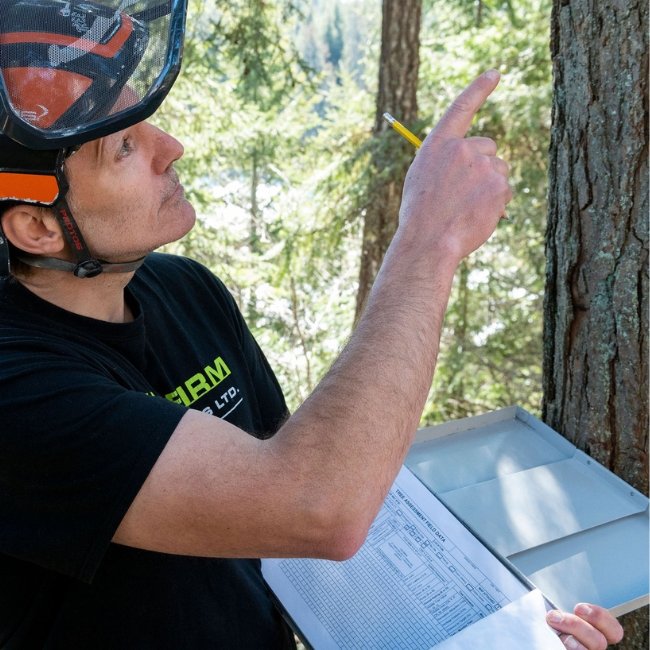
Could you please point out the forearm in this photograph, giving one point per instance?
(356, 427)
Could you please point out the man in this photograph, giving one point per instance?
(129, 510)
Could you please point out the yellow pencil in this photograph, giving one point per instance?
(403, 131)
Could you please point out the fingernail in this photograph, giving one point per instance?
(554, 616)
(583, 609)
(492, 75)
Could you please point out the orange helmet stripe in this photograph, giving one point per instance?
(106, 50)
(32, 188)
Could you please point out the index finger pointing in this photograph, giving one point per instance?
(458, 117)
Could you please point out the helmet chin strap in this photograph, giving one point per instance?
(85, 265)
(87, 269)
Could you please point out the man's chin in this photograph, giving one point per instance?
(183, 224)
(186, 220)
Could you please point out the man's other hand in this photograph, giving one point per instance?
(590, 627)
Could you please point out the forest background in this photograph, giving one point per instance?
(275, 106)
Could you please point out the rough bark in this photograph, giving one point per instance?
(398, 77)
(596, 301)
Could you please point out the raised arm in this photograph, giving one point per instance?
(315, 487)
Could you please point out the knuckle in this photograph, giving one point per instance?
(464, 149)
(456, 151)
(460, 106)
(502, 186)
(483, 164)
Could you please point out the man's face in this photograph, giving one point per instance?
(125, 194)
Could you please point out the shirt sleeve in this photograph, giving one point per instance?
(269, 395)
(75, 448)
(258, 365)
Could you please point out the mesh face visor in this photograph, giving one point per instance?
(71, 72)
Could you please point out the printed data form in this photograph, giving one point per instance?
(420, 578)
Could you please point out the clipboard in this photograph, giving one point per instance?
(575, 530)
(563, 525)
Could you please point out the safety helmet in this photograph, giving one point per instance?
(71, 72)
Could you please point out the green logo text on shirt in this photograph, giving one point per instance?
(200, 383)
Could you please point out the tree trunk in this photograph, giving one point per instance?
(398, 78)
(596, 302)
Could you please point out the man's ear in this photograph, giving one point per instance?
(33, 229)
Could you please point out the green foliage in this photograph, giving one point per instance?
(275, 106)
(491, 346)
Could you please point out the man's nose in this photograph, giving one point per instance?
(168, 150)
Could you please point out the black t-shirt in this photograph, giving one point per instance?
(86, 409)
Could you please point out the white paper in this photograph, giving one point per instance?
(521, 624)
(419, 578)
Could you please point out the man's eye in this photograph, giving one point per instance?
(126, 147)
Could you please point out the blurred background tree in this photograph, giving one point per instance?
(397, 86)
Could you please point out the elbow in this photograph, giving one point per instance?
(343, 546)
(338, 536)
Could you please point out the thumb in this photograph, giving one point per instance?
(458, 117)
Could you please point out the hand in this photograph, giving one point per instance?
(456, 188)
(589, 628)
